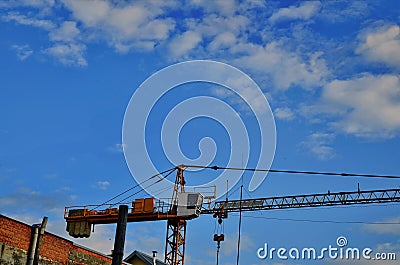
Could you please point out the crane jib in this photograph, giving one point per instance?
(302, 201)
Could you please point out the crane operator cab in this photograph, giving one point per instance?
(189, 204)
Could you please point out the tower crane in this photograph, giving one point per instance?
(185, 206)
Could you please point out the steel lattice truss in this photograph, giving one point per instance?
(301, 201)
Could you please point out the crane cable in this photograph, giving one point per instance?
(295, 172)
(169, 173)
(137, 185)
(247, 169)
(318, 221)
(240, 224)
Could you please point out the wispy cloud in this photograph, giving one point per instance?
(67, 32)
(284, 68)
(280, 60)
(125, 26)
(68, 53)
(65, 45)
(284, 113)
(103, 185)
(119, 148)
(28, 21)
(152, 239)
(304, 11)
(223, 40)
(392, 228)
(225, 29)
(365, 106)
(349, 10)
(319, 145)
(23, 51)
(381, 45)
(184, 43)
(27, 3)
(27, 200)
(230, 245)
(102, 239)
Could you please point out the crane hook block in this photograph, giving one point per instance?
(219, 238)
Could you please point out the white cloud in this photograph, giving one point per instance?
(28, 21)
(102, 239)
(68, 54)
(366, 106)
(230, 244)
(64, 46)
(284, 113)
(386, 247)
(223, 7)
(318, 144)
(284, 68)
(25, 200)
(23, 51)
(248, 95)
(28, 3)
(226, 28)
(348, 10)
(28, 219)
(213, 25)
(382, 45)
(223, 40)
(103, 185)
(184, 43)
(393, 228)
(147, 243)
(152, 238)
(304, 11)
(67, 32)
(89, 12)
(124, 26)
(210, 35)
(117, 148)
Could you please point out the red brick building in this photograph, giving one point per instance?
(15, 240)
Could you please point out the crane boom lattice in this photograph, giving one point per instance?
(302, 201)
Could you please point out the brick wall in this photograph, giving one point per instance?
(14, 244)
(86, 253)
(14, 233)
(55, 248)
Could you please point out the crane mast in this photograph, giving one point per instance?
(176, 227)
(189, 205)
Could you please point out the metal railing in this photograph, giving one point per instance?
(160, 206)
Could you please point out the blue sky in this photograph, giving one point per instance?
(330, 72)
